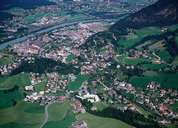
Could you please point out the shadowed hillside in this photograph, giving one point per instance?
(159, 14)
(6, 4)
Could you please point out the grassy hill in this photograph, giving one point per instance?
(153, 29)
(22, 115)
(101, 122)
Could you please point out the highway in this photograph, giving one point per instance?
(48, 29)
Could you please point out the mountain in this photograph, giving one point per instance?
(163, 12)
(25, 4)
(6, 4)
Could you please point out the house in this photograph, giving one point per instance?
(79, 124)
(61, 98)
(77, 106)
(29, 88)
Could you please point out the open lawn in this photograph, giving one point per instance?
(10, 98)
(164, 55)
(60, 116)
(153, 66)
(175, 62)
(12, 89)
(57, 111)
(16, 11)
(19, 116)
(124, 59)
(33, 18)
(137, 36)
(166, 80)
(8, 82)
(135, 61)
(173, 27)
(66, 122)
(6, 59)
(76, 84)
(150, 73)
(101, 106)
(101, 122)
(174, 107)
(143, 111)
(70, 58)
(41, 86)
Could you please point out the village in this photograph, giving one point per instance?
(51, 87)
(24, 21)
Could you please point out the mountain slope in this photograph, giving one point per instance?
(6, 4)
(161, 13)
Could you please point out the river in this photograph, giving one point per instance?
(41, 31)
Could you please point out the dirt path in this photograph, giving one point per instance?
(45, 116)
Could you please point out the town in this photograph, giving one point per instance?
(89, 64)
(65, 45)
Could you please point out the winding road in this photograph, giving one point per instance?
(45, 116)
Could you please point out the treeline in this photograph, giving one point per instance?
(43, 65)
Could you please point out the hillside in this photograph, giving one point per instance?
(161, 13)
(148, 40)
(6, 4)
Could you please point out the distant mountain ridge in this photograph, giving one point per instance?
(163, 12)
(6, 4)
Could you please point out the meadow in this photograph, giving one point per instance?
(76, 84)
(101, 122)
(22, 115)
(166, 80)
(60, 115)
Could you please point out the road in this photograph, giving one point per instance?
(45, 116)
(41, 31)
(103, 85)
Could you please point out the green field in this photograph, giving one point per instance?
(10, 98)
(138, 34)
(101, 106)
(101, 122)
(12, 89)
(166, 80)
(70, 58)
(66, 122)
(75, 85)
(60, 116)
(164, 55)
(150, 73)
(16, 11)
(8, 82)
(33, 18)
(154, 66)
(57, 111)
(174, 107)
(143, 111)
(173, 27)
(133, 38)
(41, 86)
(6, 59)
(135, 61)
(23, 115)
(132, 61)
(175, 62)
